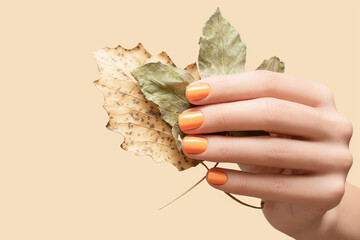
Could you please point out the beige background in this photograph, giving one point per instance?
(64, 176)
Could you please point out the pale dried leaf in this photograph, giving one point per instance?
(130, 114)
(193, 70)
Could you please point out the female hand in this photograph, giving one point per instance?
(299, 171)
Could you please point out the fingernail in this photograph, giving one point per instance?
(197, 91)
(194, 144)
(190, 120)
(216, 177)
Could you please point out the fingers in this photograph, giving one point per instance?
(258, 84)
(277, 187)
(266, 151)
(268, 114)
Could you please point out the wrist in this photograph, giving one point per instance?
(322, 227)
(338, 222)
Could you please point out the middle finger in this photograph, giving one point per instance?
(267, 114)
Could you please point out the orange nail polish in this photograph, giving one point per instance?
(216, 177)
(190, 120)
(194, 144)
(197, 91)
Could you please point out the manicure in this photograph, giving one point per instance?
(190, 120)
(197, 91)
(216, 177)
(194, 144)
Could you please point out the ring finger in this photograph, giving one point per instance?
(264, 151)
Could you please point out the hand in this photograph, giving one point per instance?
(299, 171)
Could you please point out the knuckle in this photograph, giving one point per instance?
(224, 113)
(338, 126)
(329, 190)
(346, 128)
(275, 150)
(327, 94)
(274, 111)
(340, 159)
(346, 160)
(277, 185)
(225, 149)
(336, 190)
(268, 82)
(226, 85)
(243, 184)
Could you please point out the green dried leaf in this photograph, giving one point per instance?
(178, 135)
(272, 64)
(164, 85)
(221, 49)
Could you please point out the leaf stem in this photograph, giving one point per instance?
(192, 187)
(245, 204)
(202, 179)
(183, 193)
(241, 202)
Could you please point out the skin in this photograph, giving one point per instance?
(300, 170)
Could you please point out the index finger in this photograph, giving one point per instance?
(257, 84)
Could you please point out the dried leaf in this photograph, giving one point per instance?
(222, 52)
(143, 109)
(221, 49)
(164, 85)
(193, 70)
(130, 113)
(146, 121)
(246, 133)
(272, 64)
(178, 135)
